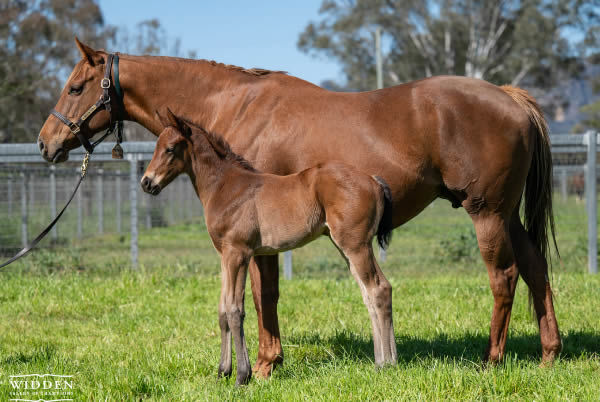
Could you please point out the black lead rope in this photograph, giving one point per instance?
(75, 127)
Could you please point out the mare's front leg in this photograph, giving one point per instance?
(234, 264)
(264, 276)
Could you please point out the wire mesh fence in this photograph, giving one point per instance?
(30, 194)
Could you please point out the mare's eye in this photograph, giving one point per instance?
(170, 150)
(76, 90)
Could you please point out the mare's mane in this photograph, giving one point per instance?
(257, 72)
(222, 147)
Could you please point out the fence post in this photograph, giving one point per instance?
(54, 232)
(181, 199)
(287, 264)
(133, 183)
(100, 201)
(170, 207)
(23, 209)
(146, 207)
(9, 195)
(31, 192)
(118, 200)
(591, 203)
(563, 184)
(79, 207)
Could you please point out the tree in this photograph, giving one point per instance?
(502, 41)
(36, 53)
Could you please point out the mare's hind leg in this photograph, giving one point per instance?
(377, 296)
(534, 269)
(497, 252)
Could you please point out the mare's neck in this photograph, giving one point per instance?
(196, 90)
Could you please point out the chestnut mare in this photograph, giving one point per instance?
(250, 213)
(465, 140)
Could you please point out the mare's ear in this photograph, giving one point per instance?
(92, 56)
(181, 125)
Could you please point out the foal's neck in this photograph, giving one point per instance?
(197, 90)
(211, 174)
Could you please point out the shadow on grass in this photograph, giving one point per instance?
(38, 355)
(469, 347)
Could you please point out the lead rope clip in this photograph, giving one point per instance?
(84, 164)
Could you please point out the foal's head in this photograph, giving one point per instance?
(193, 150)
(171, 154)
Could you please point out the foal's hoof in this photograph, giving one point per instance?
(243, 378)
(385, 365)
(224, 372)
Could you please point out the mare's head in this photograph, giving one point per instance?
(81, 91)
(171, 154)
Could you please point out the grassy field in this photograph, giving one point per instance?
(153, 333)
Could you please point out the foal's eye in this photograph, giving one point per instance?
(75, 90)
(170, 150)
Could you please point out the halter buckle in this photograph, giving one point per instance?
(105, 83)
(75, 129)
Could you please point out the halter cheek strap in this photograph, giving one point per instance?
(104, 101)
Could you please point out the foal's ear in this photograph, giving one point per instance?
(181, 125)
(163, 120)
(92, 56)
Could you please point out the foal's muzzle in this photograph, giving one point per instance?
(149, 186)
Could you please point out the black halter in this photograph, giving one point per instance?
(104, 101)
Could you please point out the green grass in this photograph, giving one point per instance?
(153, 333)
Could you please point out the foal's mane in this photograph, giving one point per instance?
(222, 148)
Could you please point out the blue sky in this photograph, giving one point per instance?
(246, 33)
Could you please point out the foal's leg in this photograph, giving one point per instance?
(534, 270)
(225, 363)
(377, 296)
(497, 252)
(235, 266)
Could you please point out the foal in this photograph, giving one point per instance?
(251, 213)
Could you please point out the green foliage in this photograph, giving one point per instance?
(592, 116)
(502, 42)
(459, 246)
(37, 52)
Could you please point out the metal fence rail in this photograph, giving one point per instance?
(31, 190)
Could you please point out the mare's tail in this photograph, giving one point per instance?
(384, 230)
(539, 219)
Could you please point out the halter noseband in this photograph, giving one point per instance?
(104, 101)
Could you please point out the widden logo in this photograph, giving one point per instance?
(43, 387)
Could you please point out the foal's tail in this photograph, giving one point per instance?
(384, 230)
(539, 219)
